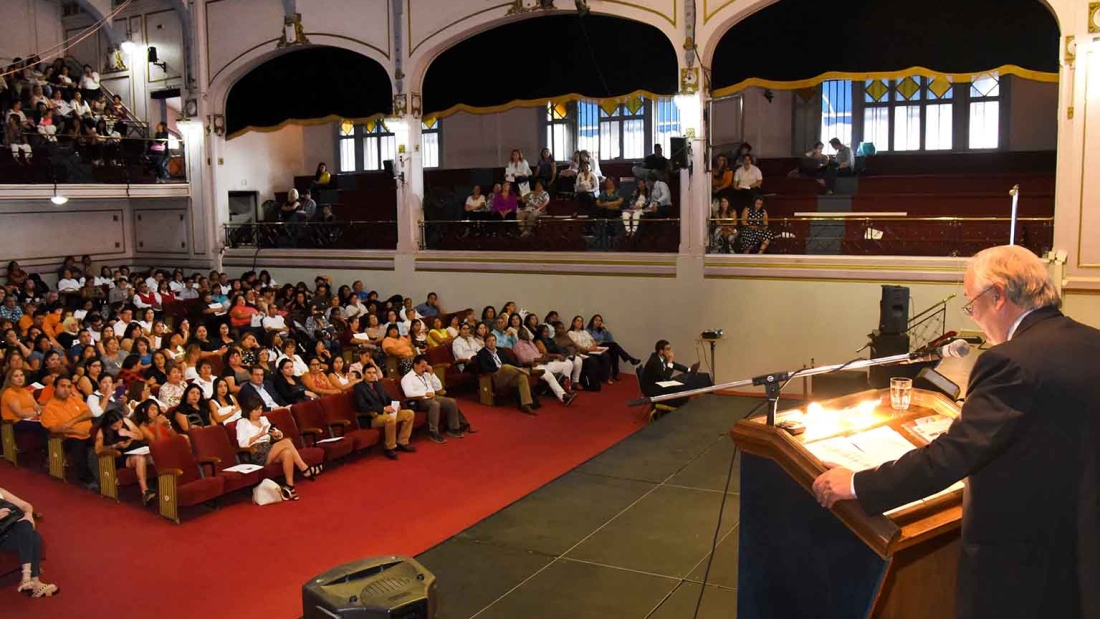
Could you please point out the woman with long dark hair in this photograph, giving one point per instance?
(223, 406)
(119, 434)
(586, 345)
(193, 411)
(289, 386)
(602, 336)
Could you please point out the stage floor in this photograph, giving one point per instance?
(625, 535)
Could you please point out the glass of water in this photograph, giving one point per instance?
(901, 391)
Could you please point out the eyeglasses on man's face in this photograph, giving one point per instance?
(968, 309)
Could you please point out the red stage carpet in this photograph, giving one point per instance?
(248, 561)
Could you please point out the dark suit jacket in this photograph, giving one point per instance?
(483, 363)
(1028, 440)
(248, 392)
(371, 397)
(655, 371)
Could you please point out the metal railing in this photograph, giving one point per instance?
(888, 236)
(312, 235)
(657, 235)
(63, 158)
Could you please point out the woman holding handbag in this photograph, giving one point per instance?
(17, 533)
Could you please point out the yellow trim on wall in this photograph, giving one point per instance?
(305, 122)
(462, 107)
(1008, 69)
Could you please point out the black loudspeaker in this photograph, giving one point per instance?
(888, 345)
(678, 156)
(378, 588)
(893, 310)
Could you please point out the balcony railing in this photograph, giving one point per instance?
(84, 159)
(890, 236)
(313, 235)
(552, 234)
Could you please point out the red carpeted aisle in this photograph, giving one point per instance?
(248, 561)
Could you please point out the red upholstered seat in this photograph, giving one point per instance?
(282, 419)
(216, 453)
(178, 479)
(310, 418)
(340, 416)
(452, 378)
(393, 387)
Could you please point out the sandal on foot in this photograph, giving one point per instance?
(39, 590)
(289, 494)
(148, 496)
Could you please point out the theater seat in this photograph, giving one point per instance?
(442, 360)
(310, 418)
(178, 480)
(393, 388)
(284, 421)
(216, 453)
(341, 419)
(111, 478)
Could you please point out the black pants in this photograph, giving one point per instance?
(24, 540)
(81, 451)
(831, 174)
(696, 380)
(616, 352)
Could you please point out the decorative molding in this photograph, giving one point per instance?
(294, 21)
(96, 191)
(1094, 17)
(400, 104)
(417, 105)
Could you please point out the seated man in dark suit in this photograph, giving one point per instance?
(505, 370)
(372, 400)
(260, 389)
(659, 368)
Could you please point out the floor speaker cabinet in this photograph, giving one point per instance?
(893, 310)
(390, 587)
(888, 345)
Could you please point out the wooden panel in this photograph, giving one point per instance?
(56, 233)
(161, 231)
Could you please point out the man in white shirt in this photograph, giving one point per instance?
(258, 389)
(125, 315)
(188, 291)
(747, 180)
(273, 321)
(354, 308)
(660, 197)
(464, 347)
(422, 391)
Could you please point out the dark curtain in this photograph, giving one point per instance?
(801, 39)
(596, 56)
(312, 82)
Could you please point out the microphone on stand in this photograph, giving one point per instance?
(955, 348)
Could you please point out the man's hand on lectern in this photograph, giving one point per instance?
(834, 485)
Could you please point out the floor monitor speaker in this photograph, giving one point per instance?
(390, 587)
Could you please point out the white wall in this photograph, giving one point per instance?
(485, 140)
(319, 144)
(29, 26)
(1033, 115)
(263, 162)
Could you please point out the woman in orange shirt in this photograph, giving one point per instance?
(399, 346)
(17, 404)
(721, 178)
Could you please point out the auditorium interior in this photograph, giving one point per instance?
(767, 185)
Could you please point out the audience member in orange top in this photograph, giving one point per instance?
(66, 414)
(16, 402)
(316, 381)
(399, 347)
(154, 424)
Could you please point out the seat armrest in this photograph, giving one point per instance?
(212, 462)
(343, 424)
(172, 472)
(109, 453)
(313, 434)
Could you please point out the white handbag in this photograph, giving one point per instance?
(267, 492)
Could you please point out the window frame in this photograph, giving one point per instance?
(436, 131)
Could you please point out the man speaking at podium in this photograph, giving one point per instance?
(1028, 440)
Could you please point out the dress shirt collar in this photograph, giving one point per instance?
(1016, 324)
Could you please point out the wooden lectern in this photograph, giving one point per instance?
(798, 559)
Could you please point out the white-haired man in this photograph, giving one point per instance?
(1026, 442)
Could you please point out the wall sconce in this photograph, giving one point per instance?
(153, 60)
(400, 104)
(417, 105)
(219, 124)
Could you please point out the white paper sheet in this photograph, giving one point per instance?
(862, 451)
(140, 451)
(931, 426)
(330, 440)
(664, 384)
(243, 468)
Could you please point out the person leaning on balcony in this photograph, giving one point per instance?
(535, 204)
